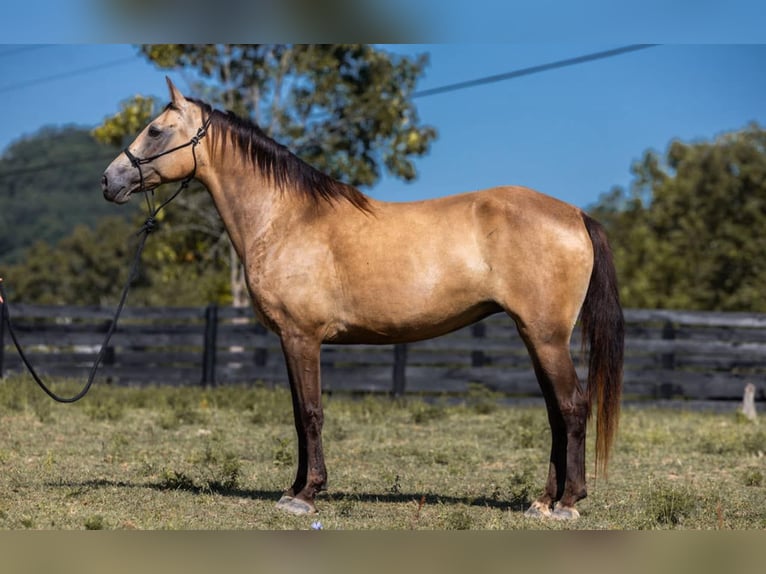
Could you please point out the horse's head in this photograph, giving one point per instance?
(162, 152)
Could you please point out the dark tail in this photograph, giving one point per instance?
(603, 331)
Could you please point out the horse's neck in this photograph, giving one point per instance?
(248, 203)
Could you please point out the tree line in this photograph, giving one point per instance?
(686, 233)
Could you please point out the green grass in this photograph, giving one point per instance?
(168, 458)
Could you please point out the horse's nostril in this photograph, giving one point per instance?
(104, 181)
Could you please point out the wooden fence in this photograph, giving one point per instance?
(669, 354)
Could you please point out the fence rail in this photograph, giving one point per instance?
(669, 354)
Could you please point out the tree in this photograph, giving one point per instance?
(689, 233)
(91, 265)
(346, 109)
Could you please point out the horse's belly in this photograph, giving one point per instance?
(413, 323)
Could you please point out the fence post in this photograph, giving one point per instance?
(400, 366)
(668, 360)
(209, 351)
(478, 357)
(261, 354)
(668, 389)
(2, 337)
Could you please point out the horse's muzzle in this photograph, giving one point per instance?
(114, 193)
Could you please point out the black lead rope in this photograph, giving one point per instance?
(148, 227)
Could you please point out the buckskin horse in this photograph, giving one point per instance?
(327, 264)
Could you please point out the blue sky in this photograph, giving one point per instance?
(572, 132)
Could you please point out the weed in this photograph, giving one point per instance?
(95, 522)
(273, 408)
(42, 406)
(733, 439)
(20, 394)
(223, 472)
(669, 504)
(423, 413)
(521, 488)
(345, 507)
(481, 399)
(530, 433)
(172, 480)
(168, 420)
(752, 477)
(754, 442)
(396, 487)
(524, 430)
(372, 410)
(336, 431)
(27, 522)
(458, 519)
(104, 407)
(118, 445)
(282, 454)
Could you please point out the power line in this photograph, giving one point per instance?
(531, 70)
(420, 94)
(80, 71)
(22, 50)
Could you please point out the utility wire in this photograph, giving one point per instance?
(531, 70)
(80, 71)
(419, 94)
(22, 50)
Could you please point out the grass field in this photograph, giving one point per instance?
(165, 458)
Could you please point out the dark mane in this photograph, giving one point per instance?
(277, 162)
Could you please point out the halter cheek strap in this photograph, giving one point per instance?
(137, 162)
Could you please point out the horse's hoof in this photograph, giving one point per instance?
(295, 506)
(565, 513)
(538, 510)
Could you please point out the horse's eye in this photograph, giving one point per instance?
(154, 132)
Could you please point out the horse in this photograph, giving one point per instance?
(326, 263)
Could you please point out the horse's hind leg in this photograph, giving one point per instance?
(567, 406)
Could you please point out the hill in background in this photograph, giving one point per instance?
(49, 184)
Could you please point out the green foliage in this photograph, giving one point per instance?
(104, 407)
(173, 480)
(734, 439)
(346, 109)
(458, 519)
(423, 412)
(669, 504)
(21, 394)
(49, 184)
(181, 408)
(752, 477)
(91, 267)
(688, 234)
(133, 116)
(482, 399)
(95, 522)
(283, 452)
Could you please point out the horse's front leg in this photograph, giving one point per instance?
(302, 358)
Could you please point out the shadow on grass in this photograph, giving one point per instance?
(274, 495)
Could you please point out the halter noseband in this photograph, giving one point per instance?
(137, 162)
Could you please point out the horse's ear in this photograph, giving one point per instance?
(176, 97)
